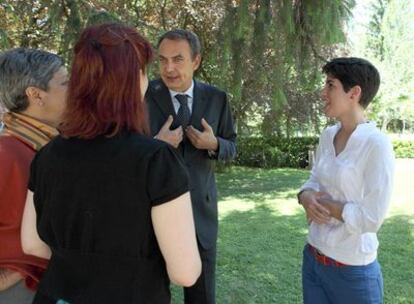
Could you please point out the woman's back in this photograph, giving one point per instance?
(112, 207)
(93, 199)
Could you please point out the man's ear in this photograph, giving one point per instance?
(356, 93)
(35, 96)
(196, 62)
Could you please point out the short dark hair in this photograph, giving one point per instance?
(188, 36)
(352, 71)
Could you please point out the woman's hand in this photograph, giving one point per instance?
(8, 278)
(335, 208)
(315, 212)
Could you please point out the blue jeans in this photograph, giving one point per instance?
(329, 284)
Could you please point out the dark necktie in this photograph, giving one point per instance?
(183, 114)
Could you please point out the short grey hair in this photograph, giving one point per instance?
(21, 68)
(188, 36)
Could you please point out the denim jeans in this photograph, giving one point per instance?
(329, 284)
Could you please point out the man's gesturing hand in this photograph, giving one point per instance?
(173, 137)
(202, 140)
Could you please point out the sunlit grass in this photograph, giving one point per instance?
(263, 230)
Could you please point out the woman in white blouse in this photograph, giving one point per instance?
(348, 193)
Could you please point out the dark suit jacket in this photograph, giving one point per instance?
(211, 104)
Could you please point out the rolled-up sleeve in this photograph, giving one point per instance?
(368, 214)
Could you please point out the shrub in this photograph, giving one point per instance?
(403, 148)
(274, 152)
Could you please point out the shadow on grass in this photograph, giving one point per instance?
(259, 257)
(260, 250)
(258, 184)
(396, 255)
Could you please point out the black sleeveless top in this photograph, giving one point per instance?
(93, 201)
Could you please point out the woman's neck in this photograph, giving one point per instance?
(350, 122)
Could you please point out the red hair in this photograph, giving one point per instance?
(104, 94)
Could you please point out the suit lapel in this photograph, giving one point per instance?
(163, 100)
(200, 103)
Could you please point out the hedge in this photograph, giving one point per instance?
(274, 152)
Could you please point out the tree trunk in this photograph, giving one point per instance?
(385, 122)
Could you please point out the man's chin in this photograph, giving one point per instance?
(169, 83)
(173, 87)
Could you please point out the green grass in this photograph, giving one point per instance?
(262, 233)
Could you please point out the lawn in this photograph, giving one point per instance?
(262, 233)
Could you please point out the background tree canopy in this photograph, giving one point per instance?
(267, 54)
(390, 44)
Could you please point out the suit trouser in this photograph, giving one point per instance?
(204, 290)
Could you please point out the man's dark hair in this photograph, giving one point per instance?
(352, 71)
(188, 36)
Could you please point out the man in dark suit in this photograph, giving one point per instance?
(196, 119)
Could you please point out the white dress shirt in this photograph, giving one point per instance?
(361, 177)
(176, 104)
(189, 94)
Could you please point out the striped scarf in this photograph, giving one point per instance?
(30, 131)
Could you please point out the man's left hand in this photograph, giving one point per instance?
(205, 140)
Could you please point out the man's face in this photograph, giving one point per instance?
(177, 65)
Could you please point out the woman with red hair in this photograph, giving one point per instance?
(111, 205)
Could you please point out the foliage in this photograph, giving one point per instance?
(275, 152)
(280, 152)
(266, 54)
(403, 148)
(256, 152)
(375, 38)
(271, 52)
(391, 46)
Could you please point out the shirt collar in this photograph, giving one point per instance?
(189, 92)
(362, 127)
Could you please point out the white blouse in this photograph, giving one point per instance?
(361, 177)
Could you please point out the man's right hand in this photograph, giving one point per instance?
(315, 212)
(173, 137)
